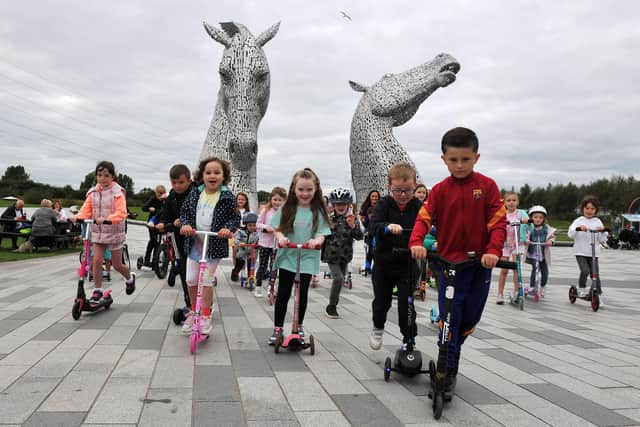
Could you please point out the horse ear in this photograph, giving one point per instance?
(357, 86)
(219, 36)
(268, 34)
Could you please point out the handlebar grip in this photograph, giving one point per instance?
(302, 246)
(507, 264)
(404, 230)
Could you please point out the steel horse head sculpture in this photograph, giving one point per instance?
(390, 102)
(242, 101)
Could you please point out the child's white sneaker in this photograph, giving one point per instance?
(258, 292)
(187, 326)
(205, 325)
(375, 339)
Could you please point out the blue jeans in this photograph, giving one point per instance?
(544, 273)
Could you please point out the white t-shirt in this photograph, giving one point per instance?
(582, 240)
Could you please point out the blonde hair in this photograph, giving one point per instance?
(402, 170)
(46, 203)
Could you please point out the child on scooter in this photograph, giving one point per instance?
(582, 241)
(337, 250)
(509, 250)
(248, 235)
(242, 207)
(106, 201)
(153, 206)
(539, 232)
(266, 239)
(471, 217)
(208, 207)
(181, 185)
(391, 215)
(302, 219)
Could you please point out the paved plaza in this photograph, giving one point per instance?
(553, 364)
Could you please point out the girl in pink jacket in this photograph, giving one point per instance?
(266, 238)
(106, 201)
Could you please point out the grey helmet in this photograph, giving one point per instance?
(341, 195)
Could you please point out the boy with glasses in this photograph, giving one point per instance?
(390, 224)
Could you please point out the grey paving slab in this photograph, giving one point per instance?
(57, 363)
(365, 410)
(19, 401)
(120, 401)
(173, 372)
(27, 313)
(322, 419)
(250, 363)
(147, 339)
(522, 363)
(20, 295)
(57, 332)
(76, 392)
(168, 407)
(30, 353)
(335, 378)
(215, 384)
(263, 399)
(8, 325)
(139, 307)
(221, 413)
(230, 307)
(553, 321)
(55, 419)
(476, 394)
(118, 335)
(304, 392)
(584, 408)
(550, 337)
(483, 335)
(136, 363)
(101, 319)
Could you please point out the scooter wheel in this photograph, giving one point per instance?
(521, 303)
(438, 404)
(349, 284)
(140, 263)
(193, 342)
(252, 282)
(595, 301)
(278, 343)
(178, 316)
(107, 305)
(573, 294)
(432, 372)
(536, 297)
(76, 310)
(312, 345)
(387, 369)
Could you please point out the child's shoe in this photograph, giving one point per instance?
(583, 292)
(130, 285)
(367, 266)
(234, 276)
(375, 339)
(300, 332)
(258, 292)
(96, 296)
(332, 312)
(205, 325)
(542, 292)
(395, 291)
(500, 299)
(187, 326)
(277, 331)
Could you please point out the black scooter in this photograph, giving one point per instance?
(595, 291)
(438, 372)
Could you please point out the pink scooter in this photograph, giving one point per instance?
(196, 336)
(294, 342)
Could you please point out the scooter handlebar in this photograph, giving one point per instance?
(472, 260)
(300, 245)
(404, 230)
(249, 245)
(91, 221)
(205, 233)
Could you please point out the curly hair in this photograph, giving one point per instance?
(226, 169)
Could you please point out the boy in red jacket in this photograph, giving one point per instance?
(471, 217)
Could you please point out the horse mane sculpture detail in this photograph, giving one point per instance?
(390, 102)
(242, 102)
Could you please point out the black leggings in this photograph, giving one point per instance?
(285, 280)
(265, 257)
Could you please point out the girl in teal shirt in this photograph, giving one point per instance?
(302, 219)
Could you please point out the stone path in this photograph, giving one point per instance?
(553, 364)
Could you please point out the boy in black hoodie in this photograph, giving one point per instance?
(390, 223)
(181, 184)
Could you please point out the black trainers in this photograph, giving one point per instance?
(332, 312)
(274, 336)
(130, 285)
(234, 276)
(96, 296)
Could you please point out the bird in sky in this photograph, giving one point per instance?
(345, 16)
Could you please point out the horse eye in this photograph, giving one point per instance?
(225, 75)
(262, 76)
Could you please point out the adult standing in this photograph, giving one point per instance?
(15, 212)
(363, 215)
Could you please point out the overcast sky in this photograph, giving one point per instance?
(551, 88)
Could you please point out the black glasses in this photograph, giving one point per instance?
(402, 191)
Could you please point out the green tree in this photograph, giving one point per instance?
(88, 181)
(15, 173)
(126, 182)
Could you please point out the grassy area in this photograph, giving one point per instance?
(7, 255)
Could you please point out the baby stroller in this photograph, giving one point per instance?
(629, 239)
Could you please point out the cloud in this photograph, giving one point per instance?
(550, 88)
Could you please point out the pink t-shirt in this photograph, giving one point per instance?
(266, 240)
(510, 242)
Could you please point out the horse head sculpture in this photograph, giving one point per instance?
(390, 102)
(242, 102)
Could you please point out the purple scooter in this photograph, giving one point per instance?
(294, 342)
